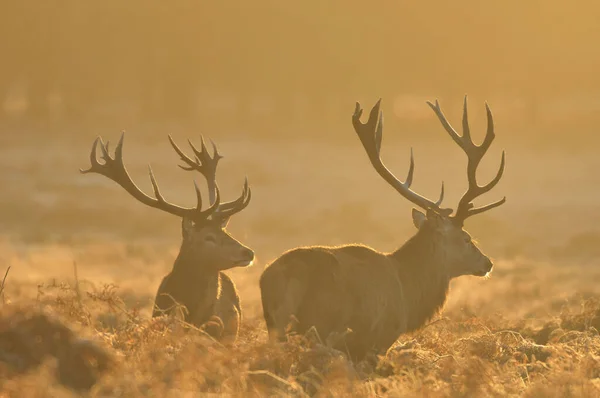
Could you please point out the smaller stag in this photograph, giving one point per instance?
(196, 282)
(379, 296)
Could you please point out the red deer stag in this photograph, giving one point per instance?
(379, 296)
(196, 280)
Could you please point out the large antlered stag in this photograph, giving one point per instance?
(379, 296)
(196, 281)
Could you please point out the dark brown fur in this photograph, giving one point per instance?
(198, 284)
(378, 296)
(212, 295)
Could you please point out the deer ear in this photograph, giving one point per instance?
(435, 219)
(432, 215)
(187, 227)
(224, 222)
(418, 218)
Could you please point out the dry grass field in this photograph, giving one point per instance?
(86, 259)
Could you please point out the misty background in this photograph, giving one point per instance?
(274, 83)
(279, 69)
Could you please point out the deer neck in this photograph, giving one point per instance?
(191, 281)
(425, 283)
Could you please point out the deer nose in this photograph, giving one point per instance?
(247, 254)
(489, 265)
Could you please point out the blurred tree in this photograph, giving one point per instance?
(171, 60)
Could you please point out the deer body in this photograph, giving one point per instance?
(377, 296)
(197, 281)
(205, 297)
(334, 289)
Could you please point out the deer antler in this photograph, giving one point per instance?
(114, 169)
(474, 154)
(207, 166)
(202, 162)
(370, 135)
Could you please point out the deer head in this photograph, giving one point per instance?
(445, 230)
(210, 239)
(205, 240)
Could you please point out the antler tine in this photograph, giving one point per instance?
(474, 154)
(115, 170)
(438, 111)
(93, 157)
(235, 206)
(441, 198)
(489, 134)
(202, 162)
(214, 206)
(487, 207)
(191, 163)
(371, 136)
(157, 193)
(465, 123)
(207, 166)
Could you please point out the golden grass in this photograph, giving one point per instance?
(542, 348)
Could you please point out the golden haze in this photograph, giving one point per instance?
(273, 83)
